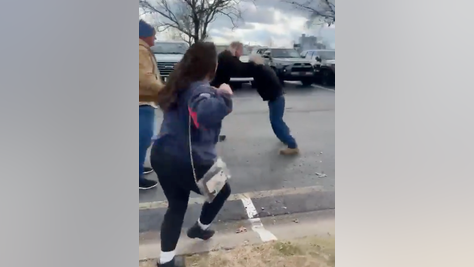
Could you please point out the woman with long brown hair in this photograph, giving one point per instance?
(188, 94)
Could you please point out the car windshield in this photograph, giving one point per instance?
(169, 48)
(327, 55)
(285, 53)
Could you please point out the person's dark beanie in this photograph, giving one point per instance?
(145, 29)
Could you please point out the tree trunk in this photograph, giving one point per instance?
(197, 25)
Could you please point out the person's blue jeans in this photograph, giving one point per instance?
(146, 119)
(281, 130)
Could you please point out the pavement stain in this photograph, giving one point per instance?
(241, 230)
(321, 174)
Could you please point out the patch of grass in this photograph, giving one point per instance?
(306, 252)
(287, 249)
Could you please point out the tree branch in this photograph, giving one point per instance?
(317, 9)
(192, 17)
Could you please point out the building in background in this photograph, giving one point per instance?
(308, 43)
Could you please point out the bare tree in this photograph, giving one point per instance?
(191, 17)
(174, 35)
(318, 10)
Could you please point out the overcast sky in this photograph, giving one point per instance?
(264, 22)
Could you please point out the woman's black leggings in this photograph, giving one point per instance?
(177, 180)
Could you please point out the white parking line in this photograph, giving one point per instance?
(257, 225)
(323, 88)
(257, 195)
(246, 198)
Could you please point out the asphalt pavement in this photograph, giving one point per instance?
(276, 185)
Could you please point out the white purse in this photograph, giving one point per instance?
(214, 179)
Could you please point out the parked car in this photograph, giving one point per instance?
(236, 82)
(327, 73)
(167, 54)
(324, 62)
(288, 64)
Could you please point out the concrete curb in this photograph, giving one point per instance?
(286, 227)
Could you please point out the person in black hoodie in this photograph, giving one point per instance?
(270, 89)
(229, 65)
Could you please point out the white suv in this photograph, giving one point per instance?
(319, 56)
(324, 62)
(167, 54)
(288, 64)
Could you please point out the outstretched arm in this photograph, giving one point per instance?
(241, 69)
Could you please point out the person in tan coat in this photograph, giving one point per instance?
(149, 85)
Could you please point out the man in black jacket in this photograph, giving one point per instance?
(270, 89)
(229, 65)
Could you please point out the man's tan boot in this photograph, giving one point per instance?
(289, 151)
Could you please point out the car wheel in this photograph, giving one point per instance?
(307, 82)
(327, 78)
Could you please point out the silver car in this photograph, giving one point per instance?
(288, 64)
(167, 55)
(324, 62)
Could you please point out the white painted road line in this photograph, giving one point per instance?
(233, 197)
(257, 225)
(323, 88)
